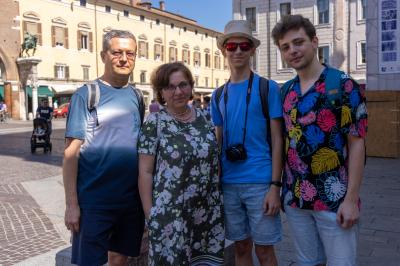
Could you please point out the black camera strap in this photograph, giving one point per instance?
(247, 108)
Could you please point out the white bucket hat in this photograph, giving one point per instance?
(237, 28)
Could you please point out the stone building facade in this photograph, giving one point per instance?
(340, 28)
(70, 40)
(9, 51)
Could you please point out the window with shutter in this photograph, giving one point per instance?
(158, 52)
(208, 57)
(172, 54)
(66, 38)
(59, 36)
(196, 59)
(251, 17)
(60, 72)
(185, 56)
(323, 11)
(90, 41)
(67, 72)
(323, 54)
(143, 49)
(85, 70)
(217, 62)
(34, 29)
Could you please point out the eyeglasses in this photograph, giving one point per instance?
(119, 54)
(182, 86)
(244, 46)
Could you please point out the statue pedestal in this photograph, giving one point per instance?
(28, 73)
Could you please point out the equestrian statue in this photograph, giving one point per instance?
(29, 43)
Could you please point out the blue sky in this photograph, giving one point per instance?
(213, 14)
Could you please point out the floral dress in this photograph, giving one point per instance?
(186, 219)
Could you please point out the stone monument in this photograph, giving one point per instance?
(27, 66)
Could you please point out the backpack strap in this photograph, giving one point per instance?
(286, 88)
(93, 98)
(333, 86)
(218, 94)
(140, 98)
(264, 93)
(93, 95)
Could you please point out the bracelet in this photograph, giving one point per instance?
(276, 183)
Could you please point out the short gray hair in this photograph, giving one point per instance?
(116, 34)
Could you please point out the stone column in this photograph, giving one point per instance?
(28, 74)
(338, 56)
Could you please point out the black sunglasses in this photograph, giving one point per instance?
(244, 46)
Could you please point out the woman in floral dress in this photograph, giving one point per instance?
(178, 176)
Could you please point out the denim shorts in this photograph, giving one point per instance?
(101, 231)
(319, 239)
(244, 215)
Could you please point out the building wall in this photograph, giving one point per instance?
(9, 50)
(377, 81)
(342, 33)
(383, 94)
(93, 18)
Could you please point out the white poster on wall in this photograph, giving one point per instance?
(389, 36)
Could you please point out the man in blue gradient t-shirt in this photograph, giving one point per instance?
(251, 169)
(100, 171)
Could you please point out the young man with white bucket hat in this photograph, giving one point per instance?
(247, 114)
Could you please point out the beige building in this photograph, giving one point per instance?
(70, 40)
(340, 28)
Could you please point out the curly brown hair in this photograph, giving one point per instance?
(292, 22)
(160, 77)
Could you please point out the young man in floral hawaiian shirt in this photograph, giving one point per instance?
(324, 150)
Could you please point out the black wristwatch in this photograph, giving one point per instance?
(276, 183)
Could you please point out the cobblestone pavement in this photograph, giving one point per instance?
(25, 231)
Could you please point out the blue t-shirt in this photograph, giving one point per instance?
(107, 170)
(45, 112)
(257, 168)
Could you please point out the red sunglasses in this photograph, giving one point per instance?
(244, 46)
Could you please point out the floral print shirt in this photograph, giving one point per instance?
(186, 219)
(315, 172)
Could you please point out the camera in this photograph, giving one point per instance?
(236, 153)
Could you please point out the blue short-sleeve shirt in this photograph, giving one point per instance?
(107, 169)
(257, 168)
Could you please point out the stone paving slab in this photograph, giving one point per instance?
(25, 231)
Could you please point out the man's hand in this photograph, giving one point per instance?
(348, 214)
(72, 217)
(272, 201)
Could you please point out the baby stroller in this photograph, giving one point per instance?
(41, 135)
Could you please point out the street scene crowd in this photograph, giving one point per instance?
(195, 174)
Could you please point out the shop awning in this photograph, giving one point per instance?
(1, 92)
(43, 91)
(64, 88)
(203, 90)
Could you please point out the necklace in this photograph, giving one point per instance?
(185, 116)
(187, 109)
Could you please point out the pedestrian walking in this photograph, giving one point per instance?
(247, 114)
(46, 112)
(178, 176)
(100, 168)
(154, 106)
(325, 127)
